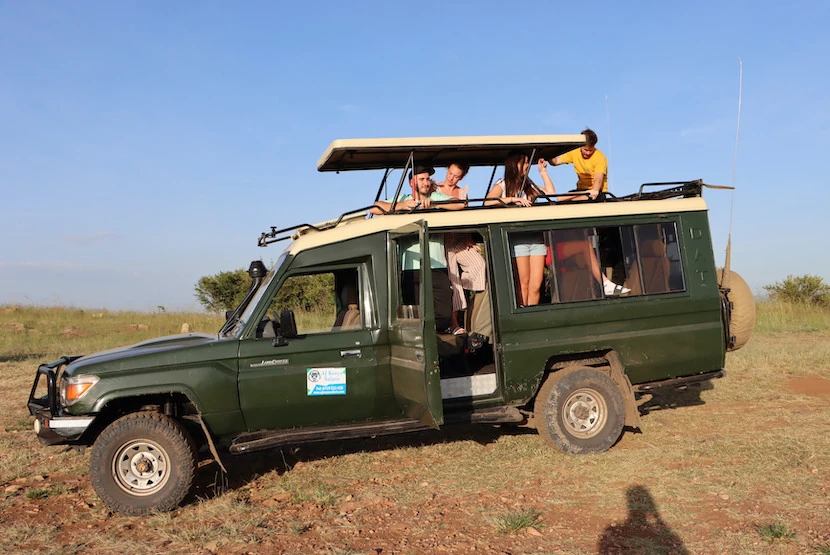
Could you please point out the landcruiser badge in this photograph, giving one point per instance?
(326, 381)
(272, 362)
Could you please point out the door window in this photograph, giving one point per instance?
(322, 302)
(408, 268)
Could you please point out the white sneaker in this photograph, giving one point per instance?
(613, 290)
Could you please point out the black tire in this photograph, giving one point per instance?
(580, 411)
(742, 318)
(143, 462)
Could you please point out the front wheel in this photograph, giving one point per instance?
(580, 411)
(143, 462)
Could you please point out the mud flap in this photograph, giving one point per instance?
(211, 446)
(632, 415)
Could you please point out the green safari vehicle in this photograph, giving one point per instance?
(338, 340)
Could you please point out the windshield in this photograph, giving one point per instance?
(243, 318)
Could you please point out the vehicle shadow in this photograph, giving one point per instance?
(643, 531)
(211, 482)
(661, 399)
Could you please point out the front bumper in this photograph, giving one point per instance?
(62, 429)
(52, 425)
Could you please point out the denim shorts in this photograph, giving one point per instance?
(528, 244)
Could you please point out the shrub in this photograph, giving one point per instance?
(223, 291)
(805, 289)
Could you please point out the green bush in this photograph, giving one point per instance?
(306, 293)
(805, 289)
(223, 291)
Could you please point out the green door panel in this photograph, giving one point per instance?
(277, 384)
(416, 377)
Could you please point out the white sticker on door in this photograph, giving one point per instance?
(325, 381)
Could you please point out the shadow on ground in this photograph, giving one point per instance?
(20, 357)
(688, 396)
(644, 530)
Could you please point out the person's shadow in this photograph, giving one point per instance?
(643, 530)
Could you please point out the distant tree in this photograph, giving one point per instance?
(223, 291)
(802, 290)
(306, 293)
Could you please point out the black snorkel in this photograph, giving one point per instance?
(257, 273)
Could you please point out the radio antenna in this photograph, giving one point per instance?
(608, 123)
(728, 260)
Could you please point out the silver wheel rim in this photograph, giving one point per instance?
(140, 467)
(584, 413)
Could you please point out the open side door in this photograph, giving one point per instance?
(416, 376)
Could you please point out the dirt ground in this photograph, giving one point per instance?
(738, 466)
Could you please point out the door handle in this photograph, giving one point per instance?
(351, 353)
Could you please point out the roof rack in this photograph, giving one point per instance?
(676, 189)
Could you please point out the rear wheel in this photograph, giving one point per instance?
(580, 411)
(143, 462)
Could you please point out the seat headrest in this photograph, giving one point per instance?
(652, 248)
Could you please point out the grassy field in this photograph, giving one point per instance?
(742, 466)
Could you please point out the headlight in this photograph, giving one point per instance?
(74, 387)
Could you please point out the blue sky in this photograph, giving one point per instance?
(146, 144)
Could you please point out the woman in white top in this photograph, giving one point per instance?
(528, 248)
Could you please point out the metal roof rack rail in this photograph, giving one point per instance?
(678, 189)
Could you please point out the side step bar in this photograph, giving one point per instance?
(266, 440)
(679, 382)
(499, 415)
(258, 441)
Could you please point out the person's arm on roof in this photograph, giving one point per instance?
(599, 175)
(566, 158)
(384, 207)
(543, 171)
(596, 186)
(496, 192)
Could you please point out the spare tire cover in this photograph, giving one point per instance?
(742, 320)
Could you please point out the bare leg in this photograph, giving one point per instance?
(523, 268)
(536, 274)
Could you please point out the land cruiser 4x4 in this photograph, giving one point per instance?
(363, 360)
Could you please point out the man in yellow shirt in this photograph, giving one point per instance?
(591, 168)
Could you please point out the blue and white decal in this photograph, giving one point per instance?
(325, 381)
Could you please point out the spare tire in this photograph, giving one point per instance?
(742, 315)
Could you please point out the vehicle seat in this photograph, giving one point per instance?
(349, 317)
(576, 283)
(655, 266)
(449, 344)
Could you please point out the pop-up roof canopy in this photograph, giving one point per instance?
(379, 154)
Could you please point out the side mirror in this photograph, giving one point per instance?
(288, 324)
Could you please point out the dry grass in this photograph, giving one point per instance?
(740, 467)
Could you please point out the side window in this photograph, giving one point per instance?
(408, 269)
(573, 269)
(588, 263)
(660, 264)
(323, 302)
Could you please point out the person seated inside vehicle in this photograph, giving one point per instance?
(568, 248)
(423, 194)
